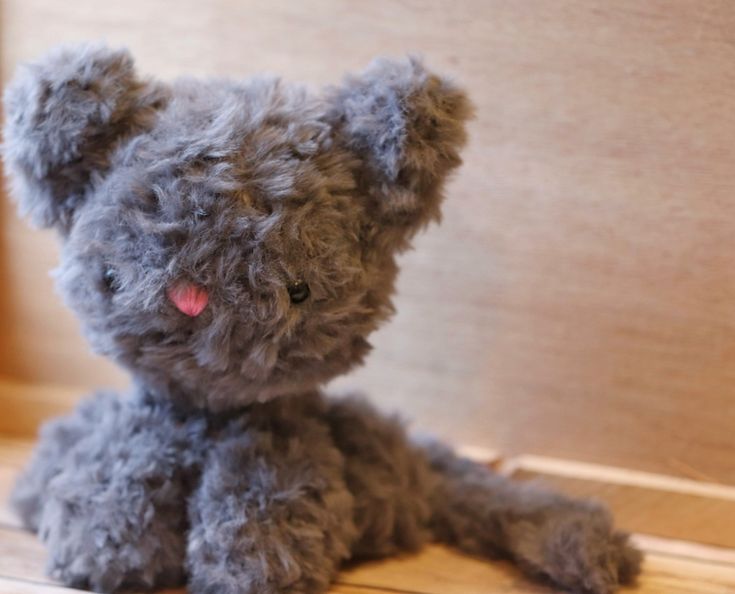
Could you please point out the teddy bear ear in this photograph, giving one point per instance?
(406, 126)
(64, 115)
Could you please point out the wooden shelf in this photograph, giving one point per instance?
(672, 566)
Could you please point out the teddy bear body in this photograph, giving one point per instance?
(232, 245)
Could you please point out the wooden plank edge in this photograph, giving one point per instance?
(14, 586)
(613, 475)
(479, 454)
(20, 586)
(684, 549)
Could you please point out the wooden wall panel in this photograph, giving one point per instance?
(579, 299)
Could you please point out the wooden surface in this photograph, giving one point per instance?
(665, 506)
(23, 407)
(672, 567)
(579, 299)
(680, 509)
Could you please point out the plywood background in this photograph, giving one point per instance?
(579, 299)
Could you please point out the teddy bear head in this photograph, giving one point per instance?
(228, 241)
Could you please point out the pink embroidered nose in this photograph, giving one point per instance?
(188, 299)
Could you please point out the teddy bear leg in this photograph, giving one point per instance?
(570, 542)
(407, 493)
(57, 437)
(110, 500)
(271, 514)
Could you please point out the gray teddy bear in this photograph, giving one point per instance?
(232, 245)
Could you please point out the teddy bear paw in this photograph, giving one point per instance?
(578, 550)
(109, 547)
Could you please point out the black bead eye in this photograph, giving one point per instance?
(298, 292)
(111, 280)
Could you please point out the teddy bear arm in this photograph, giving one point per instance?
(106, 492)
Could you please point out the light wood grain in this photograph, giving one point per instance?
(24, 407)
(672, 566)
(681, 576)
(11, 586)
(7, 517)
(578, 300)
(22, 556)
(683, 549)
(641, 502)
(434, 571)
(13, 454)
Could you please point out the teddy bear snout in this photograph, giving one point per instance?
(189, 299)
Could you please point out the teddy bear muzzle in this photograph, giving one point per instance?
(189, 299)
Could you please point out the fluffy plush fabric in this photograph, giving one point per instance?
(232, 245)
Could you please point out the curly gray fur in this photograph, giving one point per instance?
(225, 465)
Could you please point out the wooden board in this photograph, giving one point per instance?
(434, 571)
(24, 407)
(641, 502)
(672, 566)
(580, 292)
